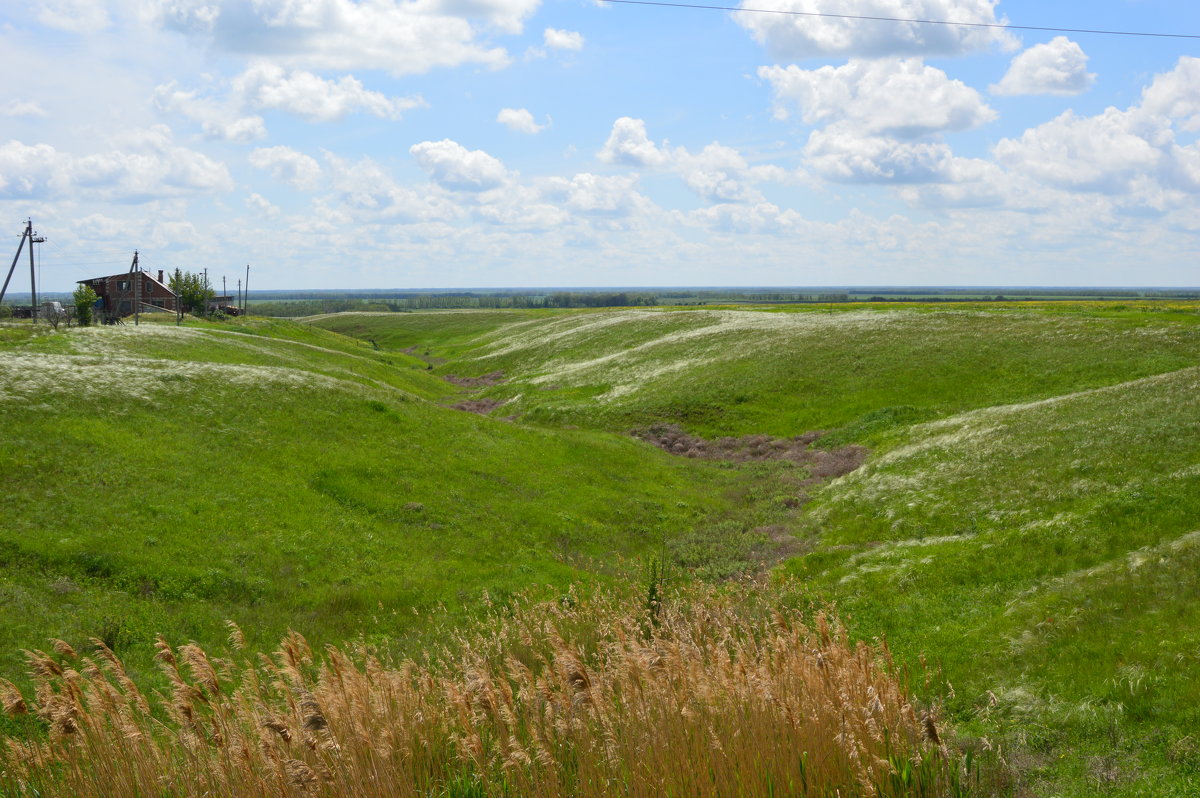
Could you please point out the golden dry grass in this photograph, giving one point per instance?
(713, 692)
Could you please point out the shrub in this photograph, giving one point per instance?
(85, 299)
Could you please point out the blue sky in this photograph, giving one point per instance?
(471, 143)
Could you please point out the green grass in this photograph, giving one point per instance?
(861, 370)
(1044, 552)
(1025, 521)
(450, 331)
(161, 480)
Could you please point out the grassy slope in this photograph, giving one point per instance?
(1027, 519)
(160, 480)
(1046, 552)
(735, 372)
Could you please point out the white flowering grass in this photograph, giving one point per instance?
(331, 356)
(160, 480)
(723, 371)
(1084, 431)
(45, 378)
(1027, 522)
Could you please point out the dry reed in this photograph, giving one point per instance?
(709, 693)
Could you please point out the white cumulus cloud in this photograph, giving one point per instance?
(396, 36)
(519, 120)
(903, 98)
(144, 165)
(792, 37)
(369, 193)
(845, 156)
(217, 120)
(562, 39)
(17, 108)
(260, 204)
(28, 170)
(1175, 95)
(1103, 153)
(629, 145)
(1133, 155)
(598, 195)
(300, 171)
(1057, 67)
(716, 173)
(76, 16)
(305, 94)
(452, 165)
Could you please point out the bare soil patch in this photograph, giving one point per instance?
(822, 464)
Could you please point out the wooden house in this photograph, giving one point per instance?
(118, 292)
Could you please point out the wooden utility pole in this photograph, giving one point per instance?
(16, 258)
(32, 275)
(26, 235)
(135, 274)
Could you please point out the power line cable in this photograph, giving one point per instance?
(998, 25)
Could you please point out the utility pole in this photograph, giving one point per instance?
(33, 239)
(16, 258)
(135, 274)
(29, 235)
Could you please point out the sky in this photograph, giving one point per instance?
(524, 143)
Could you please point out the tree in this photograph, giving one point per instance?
(193, 294)
(85, 299)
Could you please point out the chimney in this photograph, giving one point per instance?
(160, 275)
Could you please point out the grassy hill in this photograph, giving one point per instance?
(163, 479)
(1029, 519)
(786, 372)
(1026, 520)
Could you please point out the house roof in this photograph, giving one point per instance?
(125, 275)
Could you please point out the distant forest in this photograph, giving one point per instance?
(306, 303)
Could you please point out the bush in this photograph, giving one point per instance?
(85, 299)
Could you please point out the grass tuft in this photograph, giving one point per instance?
(722, 691)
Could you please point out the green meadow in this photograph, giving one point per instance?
(163, 479)
(1026, 523)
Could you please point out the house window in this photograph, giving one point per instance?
(149, 289)
(122, 285)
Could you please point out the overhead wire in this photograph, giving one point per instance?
(866, 17)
